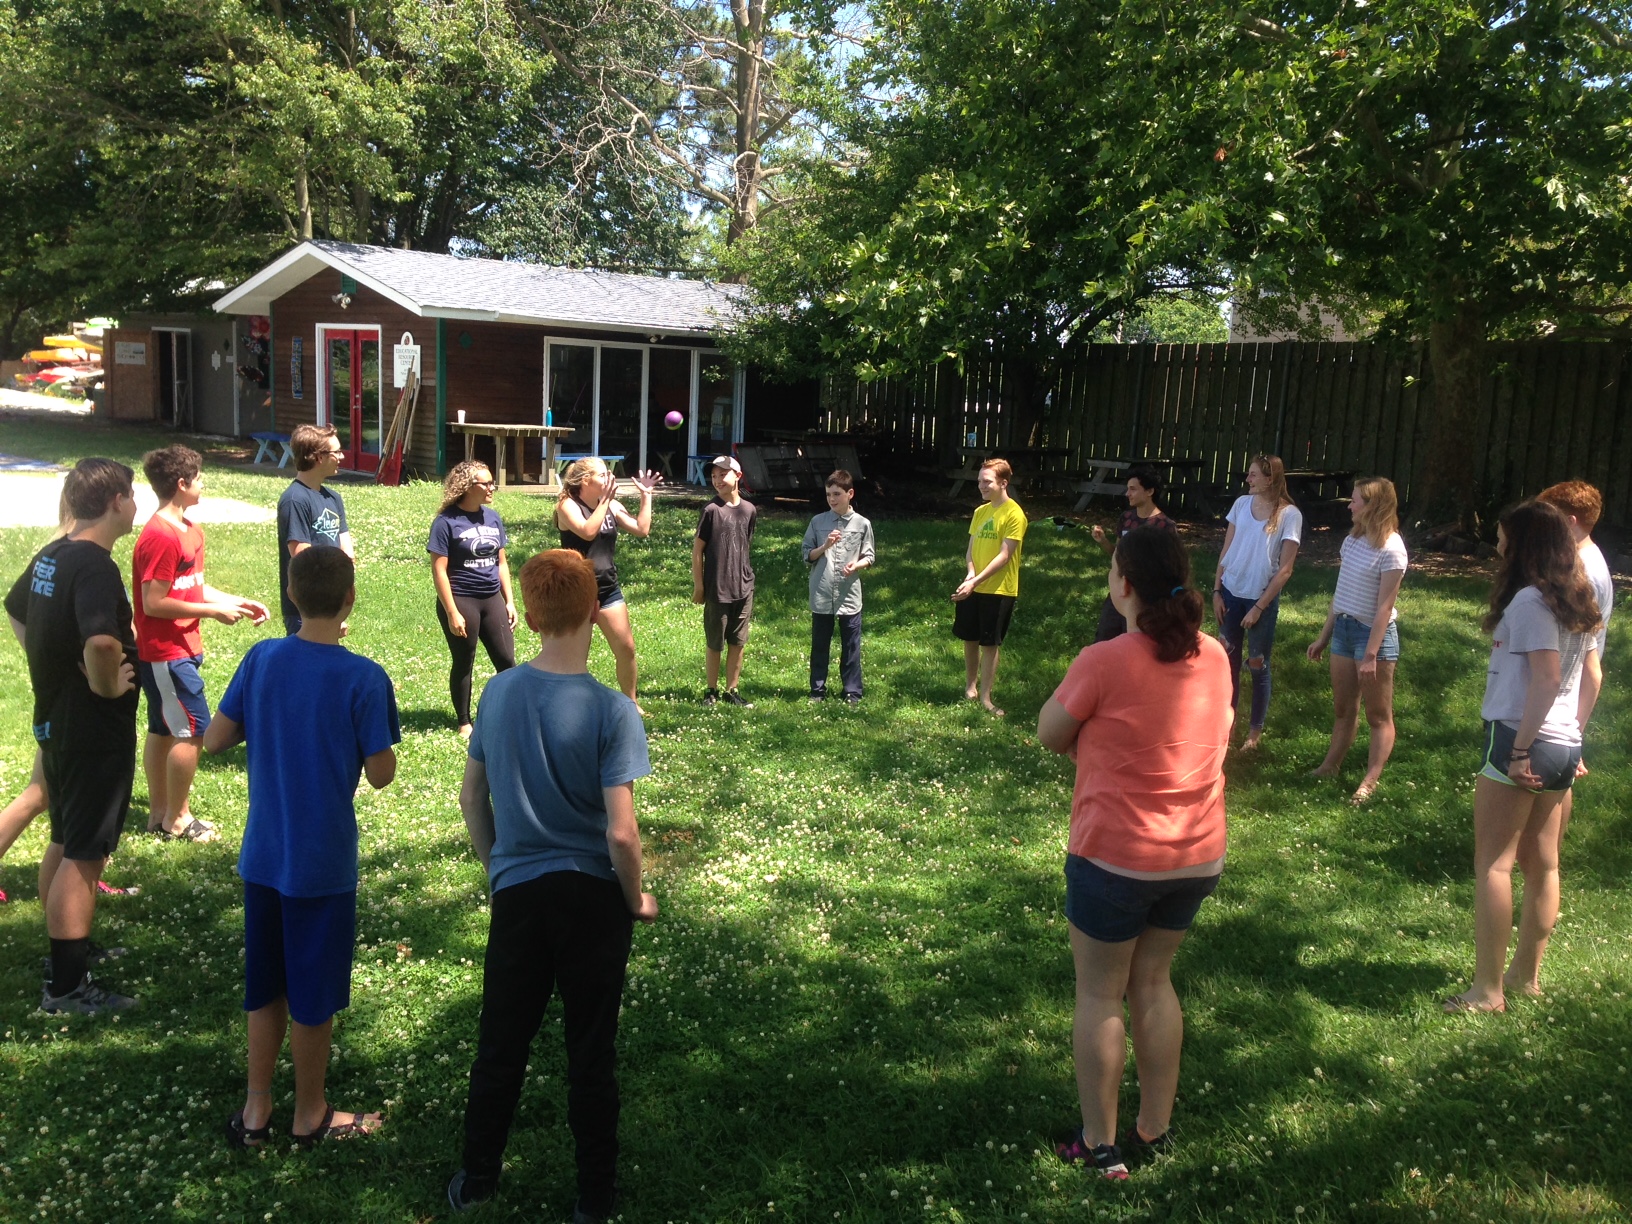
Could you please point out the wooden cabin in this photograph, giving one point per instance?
(608, 355)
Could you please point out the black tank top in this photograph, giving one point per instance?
(600, 550)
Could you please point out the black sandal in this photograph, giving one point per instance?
(241, 1136)
(361, 1124)
(194, 830)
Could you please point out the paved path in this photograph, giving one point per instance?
(29, 499)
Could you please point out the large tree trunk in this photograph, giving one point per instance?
(748, 17)
(1458, 356)
(303, 201)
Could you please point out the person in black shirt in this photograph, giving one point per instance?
(70, 610)
(722, 578)
(1144, 483)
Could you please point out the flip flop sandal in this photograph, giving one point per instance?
(113, 890)
(1456, 1005)
(362, 1124)
(193, 831)
(241, 1136)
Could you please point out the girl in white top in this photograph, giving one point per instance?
(1361, 632)
(1260, 547)
(1543, 620)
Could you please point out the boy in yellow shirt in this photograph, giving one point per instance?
(986, 596)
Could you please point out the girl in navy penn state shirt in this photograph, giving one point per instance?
(473, 597)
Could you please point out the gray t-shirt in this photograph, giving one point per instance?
(1603, 589)
(1528, 624)
(830, 592)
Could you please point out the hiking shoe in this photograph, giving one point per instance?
(584, 1213)
(732, 697)
(88, 999)
(1104, 1157)
(465, 1191)
(711, 697)
(1138, 1149)
(95, 954)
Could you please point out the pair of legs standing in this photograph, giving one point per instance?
(488, 622)
(569, 932)
(297, 974)
(725, 631)
(1350, 688)
(982, 621)
(1256, 642)
(822, 625)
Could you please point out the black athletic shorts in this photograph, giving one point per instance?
(90, 795)
(983, 618)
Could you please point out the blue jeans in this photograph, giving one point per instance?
(1259, 640)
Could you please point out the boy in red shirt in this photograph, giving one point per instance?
(167, 577)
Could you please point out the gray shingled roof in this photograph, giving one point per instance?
(454, 287)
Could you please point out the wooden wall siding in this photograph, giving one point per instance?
(298, 312)
(1552, 411)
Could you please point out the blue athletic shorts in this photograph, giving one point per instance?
(1349, 638)
(298, 948)
(1115, 908)
(175, 697)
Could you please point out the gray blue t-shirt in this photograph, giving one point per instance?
(1526, 625)
(306, 516)
(550, 743)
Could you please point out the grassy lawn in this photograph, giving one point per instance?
(857, 1002)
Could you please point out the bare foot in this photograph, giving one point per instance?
(1362, 793)
(1469, 1002)
(1322, 771)
(464, 730)
(991, 709)
(971, 694)
(1250, 744)
(641, 710)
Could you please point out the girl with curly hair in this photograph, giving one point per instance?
(1543, 622)
(474, 601)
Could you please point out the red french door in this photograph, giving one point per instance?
(352, 363)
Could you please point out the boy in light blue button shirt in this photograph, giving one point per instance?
(838, 545)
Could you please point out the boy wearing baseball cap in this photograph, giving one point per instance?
(722, 578)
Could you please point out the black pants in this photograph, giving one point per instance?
(567, 931)
(1111, 622)
(821, 651)
(487, 621)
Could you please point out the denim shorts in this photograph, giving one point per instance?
(1554, 764)
(1115, 908)
(1349, 638)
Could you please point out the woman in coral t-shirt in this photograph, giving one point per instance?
(1147, 718)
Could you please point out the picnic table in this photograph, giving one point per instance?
(1031, 460)
(1181, 471)
(1306, 483)
(503, 434)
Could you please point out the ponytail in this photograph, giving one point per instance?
(1157, 565)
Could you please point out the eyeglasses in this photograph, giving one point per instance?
(333, 450)
(486, 484)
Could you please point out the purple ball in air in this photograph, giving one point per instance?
(674, 420)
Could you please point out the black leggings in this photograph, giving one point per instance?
(486, 620)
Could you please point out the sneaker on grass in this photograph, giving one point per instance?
(1104, 1158)
(732, 697)
(88, 999)
(465, 1191)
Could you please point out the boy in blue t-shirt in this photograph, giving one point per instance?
(548, 798)
(313, 716)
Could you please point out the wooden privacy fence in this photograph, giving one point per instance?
(1550, 410)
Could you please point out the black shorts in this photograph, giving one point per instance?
(90, 795)
(1554, 764)
(983, 618)
(727, 622)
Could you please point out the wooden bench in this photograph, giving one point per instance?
(268, 440)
